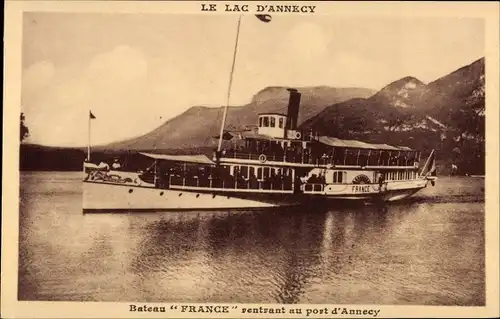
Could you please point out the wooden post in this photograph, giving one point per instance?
(184, 175)
(155, 175)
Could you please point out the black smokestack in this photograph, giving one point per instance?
(293, 110)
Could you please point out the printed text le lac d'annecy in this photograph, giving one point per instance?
(258, 8)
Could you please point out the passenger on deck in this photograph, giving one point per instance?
(278, 180)
(104, 166)
(313, 179)
(321, 179)
(254, 182)
(380, 180)
(116, 165)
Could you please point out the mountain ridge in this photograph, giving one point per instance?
(446, 114)
(195, 126)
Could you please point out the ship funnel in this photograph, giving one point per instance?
(293, 110)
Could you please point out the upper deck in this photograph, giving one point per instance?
(250, 147)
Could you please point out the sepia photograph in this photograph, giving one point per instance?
(194, 160)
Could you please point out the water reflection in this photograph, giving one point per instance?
(416, 251)
(289, 249)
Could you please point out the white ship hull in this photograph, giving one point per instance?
(390, 191)
(389, 196)
(111, 196)
(108, 196)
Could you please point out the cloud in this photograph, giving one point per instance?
(348, 69)
(111, 84)
(37, 76)
(306, 42)
(116, 69)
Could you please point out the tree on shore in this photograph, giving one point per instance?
(24, 129)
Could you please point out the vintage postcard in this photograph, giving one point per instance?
(250, 159)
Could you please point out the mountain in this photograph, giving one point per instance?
(401, 93)
(446, 114)
(457, 99)
(195, 127)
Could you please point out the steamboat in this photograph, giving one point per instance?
(273, 164)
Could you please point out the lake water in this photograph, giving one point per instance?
(428, 250)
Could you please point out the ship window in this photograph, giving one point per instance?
(244, 171)
(266, 172)
(252, 171)
(266, 121)
(338, 177)
(281, 122)
(260, 121)
(273, 121)
(259, 173)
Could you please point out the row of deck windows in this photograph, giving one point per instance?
(299, 152)
(270, 121)
(259, 172)
(400, 175)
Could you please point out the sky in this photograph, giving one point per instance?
(135, 71)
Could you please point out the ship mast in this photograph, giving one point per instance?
(219, 148)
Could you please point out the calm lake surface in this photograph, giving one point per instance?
(428, 250)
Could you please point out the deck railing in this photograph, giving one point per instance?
(229, 183)
(304, 158)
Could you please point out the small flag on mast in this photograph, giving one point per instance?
(91, 116)
(264, 17)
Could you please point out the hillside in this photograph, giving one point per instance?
(446, 114)
(195, 127)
